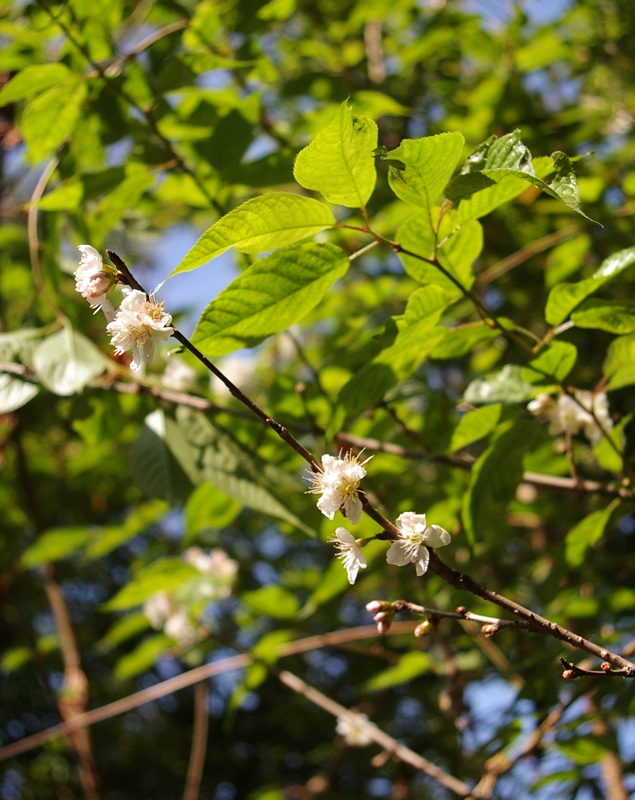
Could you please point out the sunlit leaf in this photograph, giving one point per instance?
(475, 425)
(339, 163)
(262, 223)
(565, 297)
(586, 533)
(426, 166)
(270, 296)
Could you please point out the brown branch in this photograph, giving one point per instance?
(73, 698)
(536, 623)
(520, 256)
(199, 742)
(391, 745)
(193, 676)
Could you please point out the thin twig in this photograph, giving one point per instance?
(537, 624)
(182, 681)
(391, 745)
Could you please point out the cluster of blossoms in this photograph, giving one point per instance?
(177, 612)
(137, 324)
(338, 483)
(583, 412)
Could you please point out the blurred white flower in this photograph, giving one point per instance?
(178, 375)
(353, 728)
(338, 483)
(138, 324)
(238, 368)
(94, 279)
(583, 412)
(414, 535)
(349, 553)
(164, 612)
(217, 567)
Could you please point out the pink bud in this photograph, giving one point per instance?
(568, 674)
(374, 606)
(423, 629)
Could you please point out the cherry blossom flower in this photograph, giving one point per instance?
(349, 553)
(94, 279)
(353, 728)
(338, 483)
(139, 323)
(583, 412)
(414, 535)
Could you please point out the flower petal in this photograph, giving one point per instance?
(436, 536)
(423, 559)
(397, 555)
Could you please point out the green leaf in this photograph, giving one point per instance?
(154, 464)
(486, 200)
(426, 166)
(565, 297)
(410, 666)
(144, 656)
(160, 576)
(208, 507)
(238, 473)
(460, 340)
(56, 543)
(66, 361)
(495, 477)
(504, 158)
(475, 425)
(33, 79)
(142, 517)
(586, 751)
(457, 253)
(555, 362)
(272, 601)
(51, 117)
(340, 163)
(122, 630)
(609, 453)
(504, 386)
(586, 533)
(619, 364)
(270, 296)
(65, 197)
(14, 658)
(15, 392)
(262, 223)
(401, 358)
(603, 315)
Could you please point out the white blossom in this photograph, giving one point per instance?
(414, 535)
(349, 553)
(178, 375)
(218, 569)
(338, 483)
(93, 280)
(583, 412)
(164, 612)
(353, 728)
(138, 324)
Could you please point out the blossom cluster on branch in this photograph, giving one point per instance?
(137, 324)
(582, 412)
(338, 483)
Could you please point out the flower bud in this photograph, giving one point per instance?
(568, 675)
(374, 606)
(423, 629)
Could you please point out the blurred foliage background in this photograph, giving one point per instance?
(135, 126)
